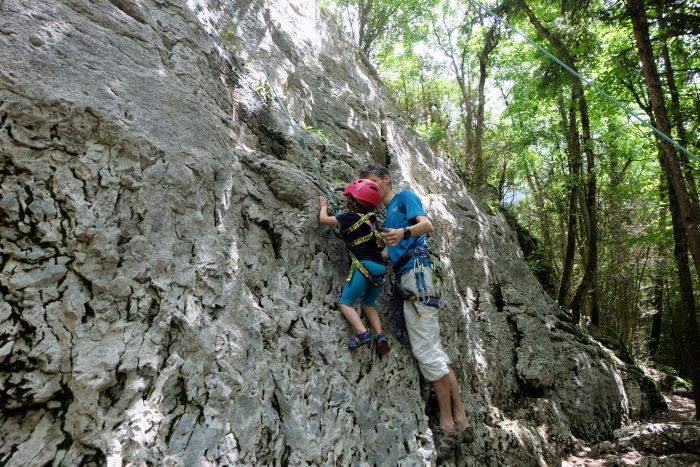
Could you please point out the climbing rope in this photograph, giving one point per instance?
(297, 134)
(611, 99)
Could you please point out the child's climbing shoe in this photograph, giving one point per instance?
(381, 344)
(360, 339)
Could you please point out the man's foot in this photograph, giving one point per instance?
(447, 424)
(465, 429)
(461, 423)
(445, 441)
(467, 434)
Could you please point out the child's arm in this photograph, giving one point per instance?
(323, 216)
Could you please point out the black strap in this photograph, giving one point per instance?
(420, 252)
(411, 297)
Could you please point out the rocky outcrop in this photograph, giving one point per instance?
(660, 438)
(167, 295)
(646, 444)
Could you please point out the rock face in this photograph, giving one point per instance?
(167, 295)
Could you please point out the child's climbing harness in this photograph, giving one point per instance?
(356, 264)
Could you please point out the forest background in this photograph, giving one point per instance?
(606, 209)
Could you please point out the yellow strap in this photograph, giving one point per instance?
(364, 239)
(380, 239)
(359, 222)
(357, 264)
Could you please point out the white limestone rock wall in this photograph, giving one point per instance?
(166, 293)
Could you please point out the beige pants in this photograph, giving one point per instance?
(424, 331)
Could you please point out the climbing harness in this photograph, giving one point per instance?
(420, 256)
(297, 134)
(356, 264)
(611, 99)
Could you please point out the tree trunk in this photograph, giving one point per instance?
(489, 45)
(363, 12)
(468, 125)
(595, 303)
(571, 130)
(478, 154)
(461, 78)
(502, 181)
(676, 110)
(670, 164)
(590, 275)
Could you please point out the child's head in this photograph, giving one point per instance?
(363, 195)
(358, 206)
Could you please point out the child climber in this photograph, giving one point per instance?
(366, 276)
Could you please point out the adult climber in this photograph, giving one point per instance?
(405, 228)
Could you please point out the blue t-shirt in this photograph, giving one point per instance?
(401, 212)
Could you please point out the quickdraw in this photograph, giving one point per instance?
(421, 286)
(356, 264)
(421, 295)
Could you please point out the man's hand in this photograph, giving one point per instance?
(323, 202)
(392, 236)
(420, 227)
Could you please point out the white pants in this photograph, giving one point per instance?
(424, 329)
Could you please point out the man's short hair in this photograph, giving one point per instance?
(375, 169)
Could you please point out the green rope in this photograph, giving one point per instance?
(297, 134)
(619, 104)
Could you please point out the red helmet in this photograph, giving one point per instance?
(364, 191)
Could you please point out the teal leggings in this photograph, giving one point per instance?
(359, 285)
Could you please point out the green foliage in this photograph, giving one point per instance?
(318, 132)
(432, 132)
(534, 252)
(669, 370)
(264, 91)
(671, 381)
(371, 22)
(228, 38)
